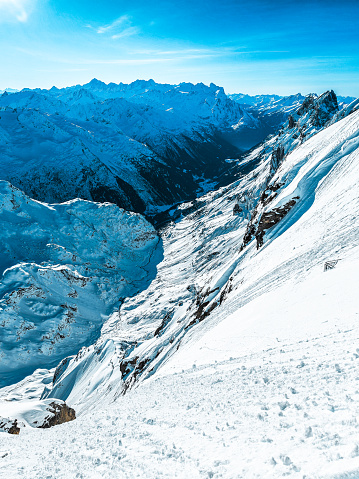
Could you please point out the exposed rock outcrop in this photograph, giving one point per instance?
(270, 219)
(321, 109)
(237, 209)
(291, 122)
(10, 425)
(314, 114)
(59, 413)
(278, 156)
(262, 220)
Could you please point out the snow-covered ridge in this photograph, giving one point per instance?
(205, 274)
(8, 91)
(234, 347)
(64, 269)
(270, 112)
(36, 414)
(276, 102)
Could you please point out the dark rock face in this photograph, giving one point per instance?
(291, 122)
(14, 429)
(132, 368)
(270, 219)
(308, 104)
(263, 220)
(10, 425)
(277, 158)
(326, 107)
(314, 114)
(60, 413)
(257, 227)
(322, 108)
(237, 209)
(61, 368)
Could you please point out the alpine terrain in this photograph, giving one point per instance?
(178, 287)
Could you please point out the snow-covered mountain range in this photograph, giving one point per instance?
(271, 111)
(235, 331)
(9, 90)
(197, 275)
(141, 146)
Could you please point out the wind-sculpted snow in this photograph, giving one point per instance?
(205, 274)
(64, 269)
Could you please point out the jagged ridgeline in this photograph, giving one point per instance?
(141, 146)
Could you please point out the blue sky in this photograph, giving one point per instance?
(257, 46)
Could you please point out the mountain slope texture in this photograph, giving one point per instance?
(229, 348)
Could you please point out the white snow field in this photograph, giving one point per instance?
(64, 268)
(285, 410)
(235, 362)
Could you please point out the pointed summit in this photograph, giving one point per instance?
(94, 83)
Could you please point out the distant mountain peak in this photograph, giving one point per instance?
(95, 83)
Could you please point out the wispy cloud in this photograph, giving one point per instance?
(193, 53)
(127, 32)
(120, 28)
(230, 57)
(93, 61)
(186, 51)
(127, 61)
(14, 9)
(124, 20)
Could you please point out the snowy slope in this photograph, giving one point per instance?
(290, 409)
(64, 269)
(208, 270)
(254, 348)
